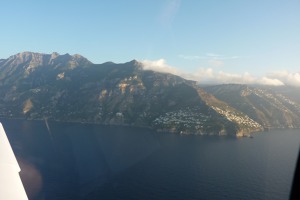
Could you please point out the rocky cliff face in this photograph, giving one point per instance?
(71, 88)
(20, 66)
(29, 60)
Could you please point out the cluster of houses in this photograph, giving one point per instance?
(186, 119)
(238, 118)
(190, 119)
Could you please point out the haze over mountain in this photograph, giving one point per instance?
(71, 88)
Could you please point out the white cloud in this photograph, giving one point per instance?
(208, 75)
(201, 75)
(270, 81)
(288, 78)
(159, 66)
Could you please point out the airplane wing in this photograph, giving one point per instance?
(11, 187)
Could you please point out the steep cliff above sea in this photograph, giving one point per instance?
(70, 88)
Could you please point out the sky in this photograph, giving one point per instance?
(243, 41)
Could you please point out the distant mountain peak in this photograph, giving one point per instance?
(30, 55)
(78, 56)
(54, 55)
(25, 56)
(30, 60)
(134, 61)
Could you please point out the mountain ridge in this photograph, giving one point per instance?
(32, 59)
(74, 89)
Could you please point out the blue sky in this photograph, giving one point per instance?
(235, 37)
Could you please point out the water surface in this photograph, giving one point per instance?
(80, 161)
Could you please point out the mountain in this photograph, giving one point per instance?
(269, 106)
(292, 92)
(19, 67)
(72, 89)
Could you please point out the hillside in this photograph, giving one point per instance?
(72, 89)
(269, 108)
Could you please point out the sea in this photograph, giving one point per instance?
(77, 161)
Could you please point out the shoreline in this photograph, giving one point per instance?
(183, 133)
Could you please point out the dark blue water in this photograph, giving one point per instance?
(79, 161)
